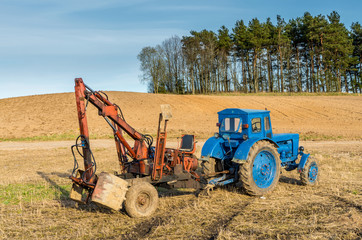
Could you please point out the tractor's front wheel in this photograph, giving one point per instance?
(141, 200)
(260, 173)
(309, 174)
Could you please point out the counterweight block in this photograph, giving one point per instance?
(110, 191)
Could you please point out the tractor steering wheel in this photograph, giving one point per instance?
(254, 127)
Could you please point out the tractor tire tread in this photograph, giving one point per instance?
(132, 195)
(208, 167)
(246, 170)
(305, 172)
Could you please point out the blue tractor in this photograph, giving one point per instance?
(246, 151)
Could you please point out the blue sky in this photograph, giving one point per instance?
(45, 44)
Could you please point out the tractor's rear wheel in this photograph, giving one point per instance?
(211, 166)
(208, 167)
(260, 173)
(141, 200)
(309, 174)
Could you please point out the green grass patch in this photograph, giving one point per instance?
(312, 136)
(171, 134)
(14, 194)
(355, 192)
(52, 137)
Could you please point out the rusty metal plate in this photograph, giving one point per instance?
(76, 193)
(110, 191)
(166, 111)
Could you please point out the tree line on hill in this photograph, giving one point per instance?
(306, 54)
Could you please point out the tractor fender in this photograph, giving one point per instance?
(303, 161)
(242, 152)
(213, 148)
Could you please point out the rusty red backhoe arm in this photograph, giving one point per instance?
(109, 111)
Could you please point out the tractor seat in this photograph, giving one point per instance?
(187, 143)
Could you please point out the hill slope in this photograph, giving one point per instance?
(55, 114)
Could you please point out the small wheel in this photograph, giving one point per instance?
(260, 173)
(309, 174)
(141, 200)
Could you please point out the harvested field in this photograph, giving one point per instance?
(34, 184)
(34, 200)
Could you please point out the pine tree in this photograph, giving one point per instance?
(270, 46)
(283, 44)
(224, 45)
(295, 35)
(256, 40)
(339, 48)
(356, 64)
(240, 36)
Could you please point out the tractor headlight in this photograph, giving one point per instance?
(216, 135)
(245, 137)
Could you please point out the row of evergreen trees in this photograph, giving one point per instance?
(309, 53)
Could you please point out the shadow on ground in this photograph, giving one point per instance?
(289, 180)
(64, 195)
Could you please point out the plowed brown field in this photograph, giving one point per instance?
(326, 117)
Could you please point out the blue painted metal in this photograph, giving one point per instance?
(216, 180)
(234, 141)
(289, 166)
(220, 181)
(246, 116)
(239, 111)
(213, 148)
(288, 146)
(303, 161)
(264, 169)
(242, 152)
(226, 182)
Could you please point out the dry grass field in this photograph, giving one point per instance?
(34, 184)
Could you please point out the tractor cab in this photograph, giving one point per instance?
(243, 124)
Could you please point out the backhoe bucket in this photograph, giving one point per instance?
(78, 193)
(110, 191)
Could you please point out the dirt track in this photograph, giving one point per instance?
(104, 143)
(23, 160)
(54, 114)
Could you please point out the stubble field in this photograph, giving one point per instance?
(34, 183)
